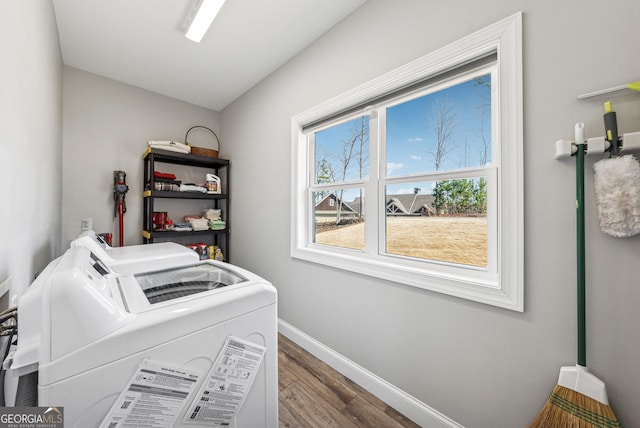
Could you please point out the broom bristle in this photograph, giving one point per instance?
(570, 409)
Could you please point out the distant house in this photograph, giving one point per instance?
(327, 209)
(410, 204)
(397, 205)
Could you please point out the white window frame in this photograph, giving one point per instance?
(502, 282)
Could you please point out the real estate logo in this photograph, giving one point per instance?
(31, 417)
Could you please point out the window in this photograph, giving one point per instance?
(416, 177)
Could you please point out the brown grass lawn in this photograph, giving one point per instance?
(452, 239)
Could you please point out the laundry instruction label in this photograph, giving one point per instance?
(227, 384)
(154, 397)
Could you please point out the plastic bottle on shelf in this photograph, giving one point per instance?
(219, 256)
(213, 183)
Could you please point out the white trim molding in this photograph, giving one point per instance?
(406, 404)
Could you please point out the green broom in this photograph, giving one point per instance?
(580, 399)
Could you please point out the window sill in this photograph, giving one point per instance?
(468, 283)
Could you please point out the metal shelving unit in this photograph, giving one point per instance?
(218, 166)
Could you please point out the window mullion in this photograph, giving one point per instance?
(381, 182)
(311, 162)
(440, 175)
(371, 203)
(493, 221)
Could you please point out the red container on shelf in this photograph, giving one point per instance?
(159, 220)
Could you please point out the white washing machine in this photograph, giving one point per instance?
(93, 336)
(136, 258)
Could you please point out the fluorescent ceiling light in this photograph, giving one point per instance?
(205, 12)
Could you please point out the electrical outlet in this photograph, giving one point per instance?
(86, 224)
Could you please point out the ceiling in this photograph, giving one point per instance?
(141, 42)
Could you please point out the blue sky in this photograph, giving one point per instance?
(411, 140)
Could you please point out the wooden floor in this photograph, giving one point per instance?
(312, 394)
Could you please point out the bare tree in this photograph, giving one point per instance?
(363, 155)
(353, 149)
(444, 121)
(467, 155)
(484, 107)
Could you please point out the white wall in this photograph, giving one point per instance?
(479, 365)
(30, 140)
(106, 128)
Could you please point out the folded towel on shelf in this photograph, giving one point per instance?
(217, 224)
(192, 188)
(173, 146)
(166, 175)
(213, 214)
(166, 180)
(182, 228)
(199, 224)
(166, 187)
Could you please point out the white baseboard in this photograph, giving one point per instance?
(412, 408)
(5, 286)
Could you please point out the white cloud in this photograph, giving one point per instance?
(391, 167)
(415, 140)
(416, 157)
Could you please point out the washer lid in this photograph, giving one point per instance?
(164, 285)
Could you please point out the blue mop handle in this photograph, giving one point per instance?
(582, 335)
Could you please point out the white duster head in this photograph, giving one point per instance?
(617, 187)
